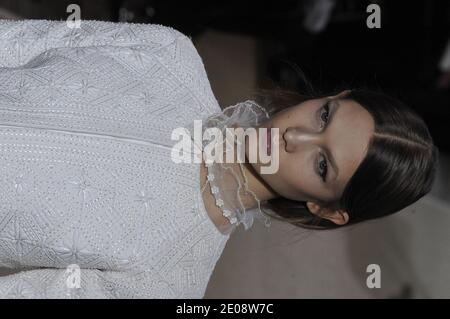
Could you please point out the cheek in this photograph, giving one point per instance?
(292, 179)
(298, 178)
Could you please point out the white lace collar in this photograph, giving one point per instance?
(244, 114)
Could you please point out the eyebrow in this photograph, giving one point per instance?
(327, 151)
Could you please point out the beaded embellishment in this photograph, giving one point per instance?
(231, 216)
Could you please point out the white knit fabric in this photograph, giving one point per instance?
(86, 177)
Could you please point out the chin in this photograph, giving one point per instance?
(268, 178)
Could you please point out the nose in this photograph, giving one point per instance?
(297, 137)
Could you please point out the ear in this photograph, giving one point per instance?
(340, 95)
(338, 216)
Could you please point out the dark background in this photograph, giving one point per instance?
(401, 57)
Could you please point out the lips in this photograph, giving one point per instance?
(269, 141)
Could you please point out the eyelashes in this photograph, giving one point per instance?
(322, 167)
(322, 163)
(324, 115)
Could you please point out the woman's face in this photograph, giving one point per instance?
(321, 144)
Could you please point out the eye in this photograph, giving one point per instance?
(324, 114)
(322, 167)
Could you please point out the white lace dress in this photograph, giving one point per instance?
(86, 177)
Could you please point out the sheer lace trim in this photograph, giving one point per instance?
(223, 181)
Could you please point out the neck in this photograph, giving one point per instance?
(255, 184)
(246, 175)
